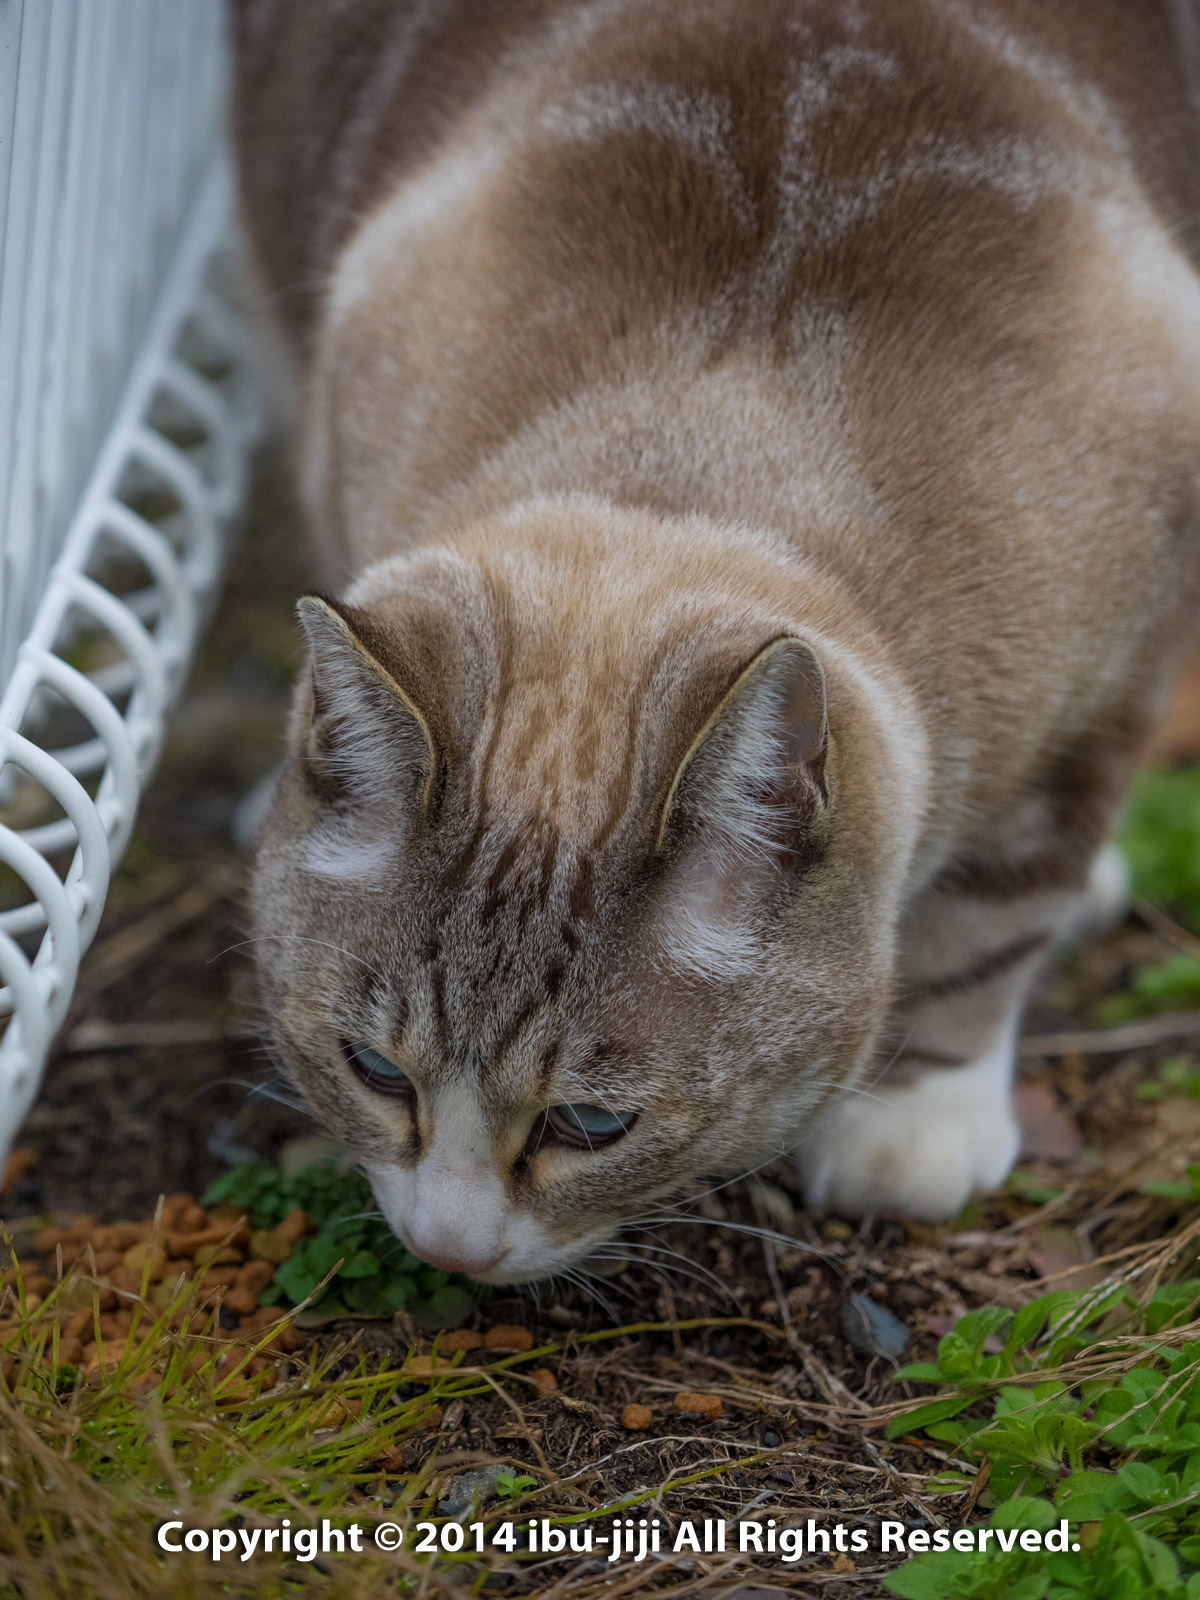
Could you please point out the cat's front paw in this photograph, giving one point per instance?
(921, 1149)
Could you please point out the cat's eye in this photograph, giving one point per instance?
(588, 1127)
(378, 1073)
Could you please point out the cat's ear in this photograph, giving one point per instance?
(745, 804)
(364, 734)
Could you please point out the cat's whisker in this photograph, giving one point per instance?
(738, 1177)
(583, 1280)
(664, 1273)
(664, 1250)
(768, 1234)
(298, 938)
(665, 1269)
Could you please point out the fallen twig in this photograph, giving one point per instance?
(1111, 1041)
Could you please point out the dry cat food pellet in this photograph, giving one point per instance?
(460, 1339)
(504, 1337)
(636, 1418)
(426, 1366)
(698, 1405)
(544, 1381)
(157, 1259)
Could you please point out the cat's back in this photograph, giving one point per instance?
(929, 259)
(678, 118)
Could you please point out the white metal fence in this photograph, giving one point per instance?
(125, 417)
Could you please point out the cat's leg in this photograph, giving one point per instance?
(938, 1124)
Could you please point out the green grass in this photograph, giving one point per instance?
(90, 1464)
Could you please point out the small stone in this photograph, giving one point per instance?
(508, 1338)
(699, 1405)
(871, 1330)
(470, 1490)
(636, 1419)
(771, 1440)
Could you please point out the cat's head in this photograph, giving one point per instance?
(564, 903)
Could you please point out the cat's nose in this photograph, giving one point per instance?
(460, 1260)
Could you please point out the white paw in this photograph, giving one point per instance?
(922, 1149)
(1106, 897)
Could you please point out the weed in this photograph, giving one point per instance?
(1176, 1075)
(1089, 1410)
(1161, 839)
(1186, 1188)
(368, 1270)
(1170, 985)
(511, 1484)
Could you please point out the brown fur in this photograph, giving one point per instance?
(636, 336)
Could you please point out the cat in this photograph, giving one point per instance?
(752, 455)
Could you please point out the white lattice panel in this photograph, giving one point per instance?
(125, 419)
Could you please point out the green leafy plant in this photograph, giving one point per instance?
(1176, 1075)
(1170, 985)
(376, 1275)
(1161, 839)
(511, 1484)
(1186, 1188)
(1121, 1563)
(1114, 1443)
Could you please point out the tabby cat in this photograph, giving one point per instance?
(753, 451)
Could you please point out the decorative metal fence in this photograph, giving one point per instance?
(126, 415)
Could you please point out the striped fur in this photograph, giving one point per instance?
(754, 454)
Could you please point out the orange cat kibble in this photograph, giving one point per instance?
(240, 1301)
(266, 1245)
(47, 1240)
(636, 1419)
(698, 1405)
(254, 1277)
(149, 1258)
(460, 1339)
(507, 1338)
(293, 1227)
(264, 1317)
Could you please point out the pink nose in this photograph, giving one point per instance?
(458, 1260)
